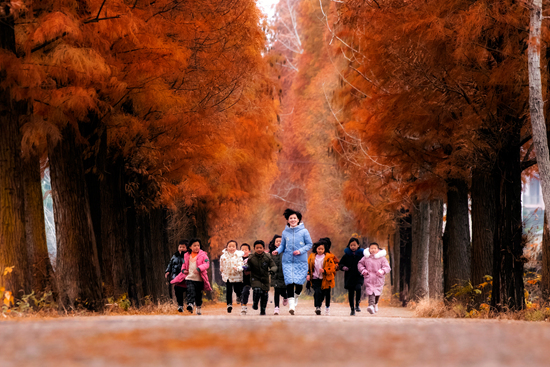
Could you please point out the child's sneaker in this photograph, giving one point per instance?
(229, 308)
(199, 310)
(243, 310)
(327, 311)
(190, 307)
(317, 310)
(291, 307)
(285, 301)
(370, 310)
(180, 309)
(376, 308)
(276, 311)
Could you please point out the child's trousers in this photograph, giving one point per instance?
(261, 296)
(354, 293)
(320, 294)
(245, 295)
(179, 294)
(373, 300)
(279, 292)
(237, 287)
(194, 292)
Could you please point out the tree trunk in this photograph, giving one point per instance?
(405, 247)
(545, 281)
(113, 229)
(200, 229)
(536, 102)
(435, 260)
(157, 254)
(395, 266)
(133, 231)
(483, 228)
(456, 240)
(13, 247)
(77, 270)
(508, 248)
(420, 251)
(41, 267)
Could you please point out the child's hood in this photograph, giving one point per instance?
(359, 251)
(236, 253)
(379, 254)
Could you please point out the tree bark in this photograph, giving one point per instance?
(545, 276)
(420, 251)
(536, 102)
(435, 260)
(116, 255)
(13, 247)
(405, 247)
(456, 239)
(133, 231)
(201, 229)
(483, 194)
(157, 254)
(78, 275)
(395, 266)
(508, 258)
(39, 259)
(538, 125)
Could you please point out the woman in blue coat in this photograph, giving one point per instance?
(294, 246)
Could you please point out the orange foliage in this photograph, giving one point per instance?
(426, 95)
(180, 88)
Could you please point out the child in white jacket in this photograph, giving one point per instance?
(231, 267)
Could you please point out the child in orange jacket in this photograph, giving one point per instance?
(321, 270)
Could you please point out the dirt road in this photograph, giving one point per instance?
(390, 338)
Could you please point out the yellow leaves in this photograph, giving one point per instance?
(7, 270)
(8, 299)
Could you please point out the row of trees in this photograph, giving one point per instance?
(425, 107)
(155, 119)
(435, 109)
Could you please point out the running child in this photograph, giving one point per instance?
(245, 248)
(174, 268)
(374, 266)
(231, 267)
(261, 265)
(353, 280)
(321, 270)
(278, 279)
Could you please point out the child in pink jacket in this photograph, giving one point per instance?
(194, 274)
(374, 266)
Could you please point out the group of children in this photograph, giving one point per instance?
(285, 266)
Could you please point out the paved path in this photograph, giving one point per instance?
(390, 338)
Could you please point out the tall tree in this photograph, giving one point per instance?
(13, 247)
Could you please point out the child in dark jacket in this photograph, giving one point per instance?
(174, 268)
(245, 248)
(278, 279)
(261, 265)
(353, 280)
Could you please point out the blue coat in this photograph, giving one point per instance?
(295, 267)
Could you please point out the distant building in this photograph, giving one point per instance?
(532, 208)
